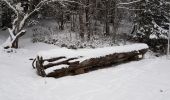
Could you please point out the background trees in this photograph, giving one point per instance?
(148, 19)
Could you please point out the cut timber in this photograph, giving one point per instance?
(61, 62)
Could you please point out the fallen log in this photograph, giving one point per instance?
(61, 62)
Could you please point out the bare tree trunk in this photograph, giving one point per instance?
(15, 44)
(61, 25)
(116, 23)
(87, 11)
(81, 22)
(107, 28)
(73, 23)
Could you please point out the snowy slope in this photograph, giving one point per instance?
(148, 79)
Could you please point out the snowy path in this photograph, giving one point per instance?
(148, 79)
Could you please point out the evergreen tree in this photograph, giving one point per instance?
(152, 24)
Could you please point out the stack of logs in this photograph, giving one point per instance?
(76, 67)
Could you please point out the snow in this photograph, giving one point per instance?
(90, 53)
(153, 36)
(60, 60)
(23, 21)
(128, 3)
(147, 79)
(19, 7)
(161, 33)
(140, 56)
(7, 42)
(51, 69)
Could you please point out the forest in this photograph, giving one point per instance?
(108, 22)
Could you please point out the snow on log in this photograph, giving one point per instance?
(62, 61)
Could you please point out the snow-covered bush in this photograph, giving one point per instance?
(157, 45)
(68, 39)
(152, 24)
(32, 23)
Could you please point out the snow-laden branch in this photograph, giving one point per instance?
(9, 42)
(11, 33)
(23, 21)
(129, 8)
(15, 11)
(37, 8)
(124, 4)
(27, 15)
(12, 7)
(167, 3)
(21, 33)
(21, 18)
(66, 2)
(128, 3)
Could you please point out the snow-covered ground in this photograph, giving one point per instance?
(148, 79)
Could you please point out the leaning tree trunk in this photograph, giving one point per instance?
(13, 40)
(15, 44)
(16, 32)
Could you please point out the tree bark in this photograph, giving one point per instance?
(87, 11)
(81, 22)
(15, 44)
(107, 27)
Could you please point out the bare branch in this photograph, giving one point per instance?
(27, 15)
(167, 3)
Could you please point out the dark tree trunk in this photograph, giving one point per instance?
(107, 28)
(61, 25)
(81, 22)
(15, 44)
(73, 23)
(87, 11)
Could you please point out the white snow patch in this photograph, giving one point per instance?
(60, 60)
(140, 56)
(19, 7)
(153, 36)
(51, 69)
(90, 53)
